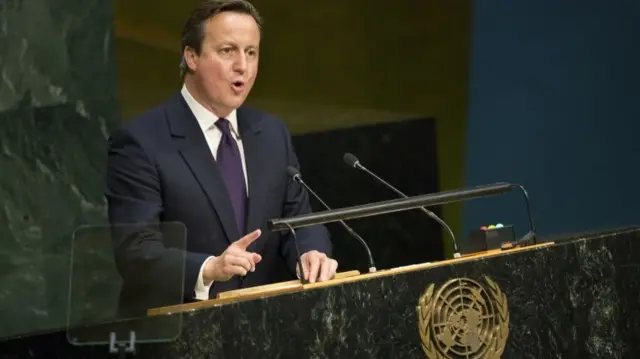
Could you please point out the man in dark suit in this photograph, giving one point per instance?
(205, 160)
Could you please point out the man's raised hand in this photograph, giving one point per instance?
(235, 260)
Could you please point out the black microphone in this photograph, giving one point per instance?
(295, 174)
(353, 161)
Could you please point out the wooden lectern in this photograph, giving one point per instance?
(292, 286)
(570, 297)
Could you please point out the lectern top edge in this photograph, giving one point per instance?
(259, 293)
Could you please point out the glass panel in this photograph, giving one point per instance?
(117, 274)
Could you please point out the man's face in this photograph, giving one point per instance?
(227, 66)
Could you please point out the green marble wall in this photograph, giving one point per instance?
(57, 102)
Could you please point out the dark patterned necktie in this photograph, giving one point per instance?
(230, 166)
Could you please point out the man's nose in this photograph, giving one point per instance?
(240, 64)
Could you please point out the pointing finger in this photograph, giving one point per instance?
(245, 241)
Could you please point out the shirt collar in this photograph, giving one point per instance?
(207, 119)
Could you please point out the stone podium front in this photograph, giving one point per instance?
(574, 297)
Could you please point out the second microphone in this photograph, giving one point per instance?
(296, 176)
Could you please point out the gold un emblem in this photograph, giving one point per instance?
(463, 320)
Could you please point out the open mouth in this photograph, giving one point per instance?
(237, 86)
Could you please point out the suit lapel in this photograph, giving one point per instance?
(257, 167)
(195, 151)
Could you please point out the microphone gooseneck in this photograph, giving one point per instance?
(296, 176)
(353, 161)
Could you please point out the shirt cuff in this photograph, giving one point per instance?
(202, 289)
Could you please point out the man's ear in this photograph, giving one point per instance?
(190, 58)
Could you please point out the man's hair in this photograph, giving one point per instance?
(194, 30)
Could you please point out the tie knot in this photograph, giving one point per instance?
(224, 126)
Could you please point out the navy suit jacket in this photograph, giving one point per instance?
(160, 169)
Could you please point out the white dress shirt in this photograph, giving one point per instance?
(207, 121)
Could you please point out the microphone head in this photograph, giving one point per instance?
(292, 171)
(350, 159)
